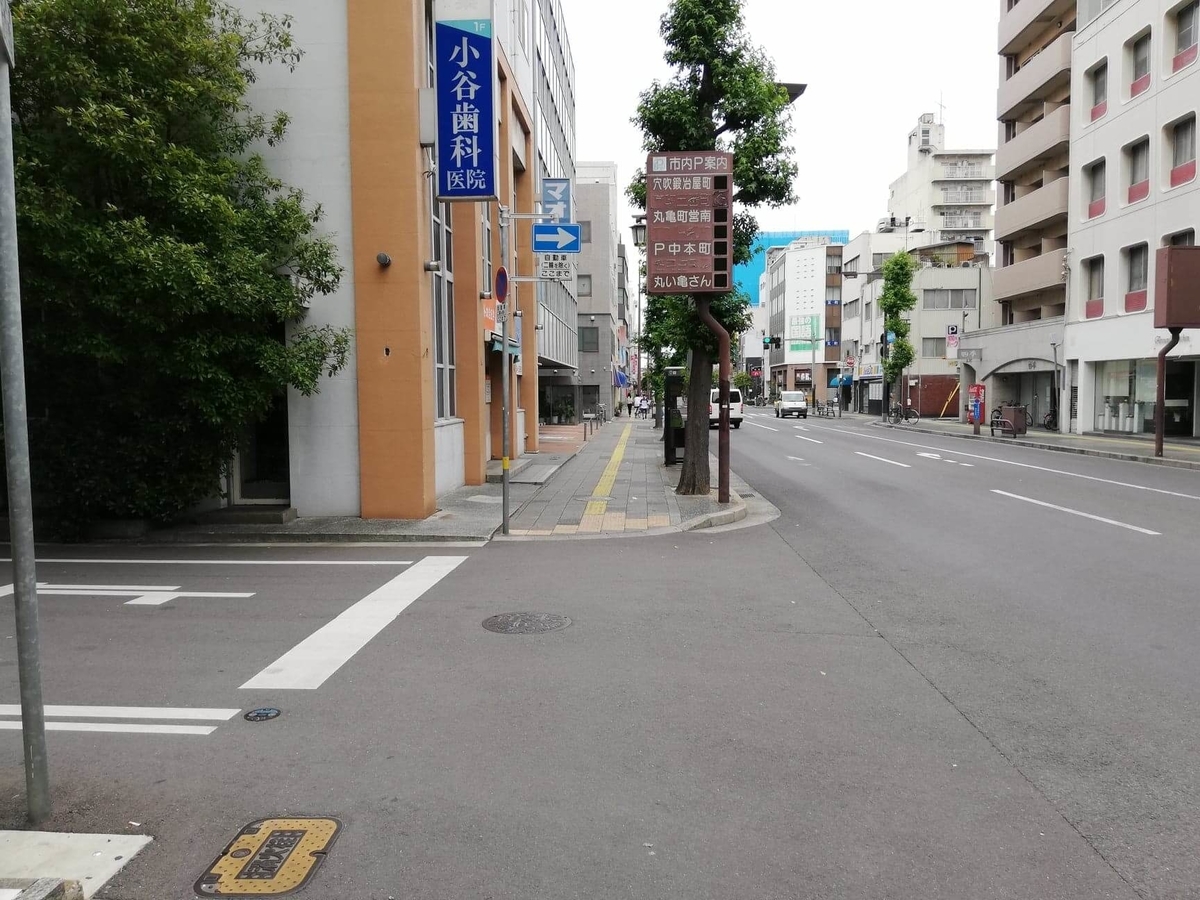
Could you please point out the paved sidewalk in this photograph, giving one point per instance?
(617, 484)
(1178, 454)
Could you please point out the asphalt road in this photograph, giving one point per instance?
(906, 686)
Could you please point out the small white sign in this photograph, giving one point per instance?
(558, 266)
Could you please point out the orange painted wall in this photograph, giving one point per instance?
(393, 310)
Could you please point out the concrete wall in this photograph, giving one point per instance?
(315, 157)
(449, 455)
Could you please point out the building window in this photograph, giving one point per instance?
(589, 339)
(933, 348)
(1183, 239)
(1187, 26)
(1139, 171)
(1137, 262)
(485, 236)
(585, 285)
(949, 298)
(851, 267)
(833, 296)
(850, 310)
(1095, 174)
(877, 261)
(1140, 79)
(868, 315)
(442, 284)
(585, 232)
(1094, 276)
(1183, 152)
(1099, 80)
(833, 265)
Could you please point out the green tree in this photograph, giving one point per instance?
(896, 299)
(722, 95)
(162, 265)
(743, 382)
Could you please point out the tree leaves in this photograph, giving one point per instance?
(162, 264)
(896, 299)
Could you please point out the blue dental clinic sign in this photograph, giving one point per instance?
(467, 142)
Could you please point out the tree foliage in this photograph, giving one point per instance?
(722, 95)
(162, 265)
(743, 382)
(896, 299)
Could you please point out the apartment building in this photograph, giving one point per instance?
(417, 412)
(944, 196)
(746, 275)
(1133, 189)
(803, 284)
(1017, 359)
(953, 286)
(597, 197)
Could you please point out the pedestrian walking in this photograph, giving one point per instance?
(629, 405)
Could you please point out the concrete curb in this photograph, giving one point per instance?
(52, 889)
(735, 512)
(1057, 448)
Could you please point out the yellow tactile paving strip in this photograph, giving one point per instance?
(597, 508)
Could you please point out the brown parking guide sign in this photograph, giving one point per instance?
(689, 222)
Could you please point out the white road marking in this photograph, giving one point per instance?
(309, 663)
(810, 440)
(1076, 512)
(1009, 462)
(768, 427)
(221, 562)
(178, 713)
(796, 458)
(890, 462)
(113, 728)
(800, 427)
(143, 595)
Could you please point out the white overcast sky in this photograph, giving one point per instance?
(871, 66)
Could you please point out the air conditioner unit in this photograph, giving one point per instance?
(966, 265)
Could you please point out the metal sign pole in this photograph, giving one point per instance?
(505, 429)
(16, 456)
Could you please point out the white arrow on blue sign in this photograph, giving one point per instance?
(566, 237)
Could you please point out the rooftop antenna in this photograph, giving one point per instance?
(941, 110)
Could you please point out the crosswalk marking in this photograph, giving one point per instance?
(178, 713)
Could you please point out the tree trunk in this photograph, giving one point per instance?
(694, 477)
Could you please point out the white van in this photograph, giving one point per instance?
(736, 409)
(791, 403)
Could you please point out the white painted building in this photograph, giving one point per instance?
(803, 292)
(1133, 190)
(946, 195)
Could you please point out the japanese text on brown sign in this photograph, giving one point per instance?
(689, 222)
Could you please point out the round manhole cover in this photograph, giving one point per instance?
(525, 623)
(263, 714)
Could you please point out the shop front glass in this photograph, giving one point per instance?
(1126, 391)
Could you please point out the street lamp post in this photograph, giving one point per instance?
(638, 229)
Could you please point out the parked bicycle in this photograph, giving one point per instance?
(905, 414)
(1050, 421)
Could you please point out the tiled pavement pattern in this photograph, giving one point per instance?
(615, 485)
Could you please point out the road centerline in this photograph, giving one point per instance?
(890, 462)
(1080, 513)
(810, 440)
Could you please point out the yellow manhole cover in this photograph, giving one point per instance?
(270, 857)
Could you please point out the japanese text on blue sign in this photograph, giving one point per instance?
(466, 142)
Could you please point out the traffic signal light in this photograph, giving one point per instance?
(776, 342)
(766, 342)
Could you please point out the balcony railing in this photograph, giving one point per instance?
(1050, 69)
(1039, 141)
(1029, 276)
(1034, 210)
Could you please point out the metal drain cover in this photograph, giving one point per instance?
(262, 714)
(525, 623)
(270, 857)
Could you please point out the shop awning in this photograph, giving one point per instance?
(622, 379)
(844, 380)
(514, 349)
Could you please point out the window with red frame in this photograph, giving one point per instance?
(1099, 79)
(1096, 193)
(1183, 152)
(1094, 270)
(1138, 261)
(1141, 66)
(1187, 31)
(1139, 171)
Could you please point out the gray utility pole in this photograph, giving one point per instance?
(504, 310)
(16, 458)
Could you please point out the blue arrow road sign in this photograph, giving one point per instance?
(564, 237)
